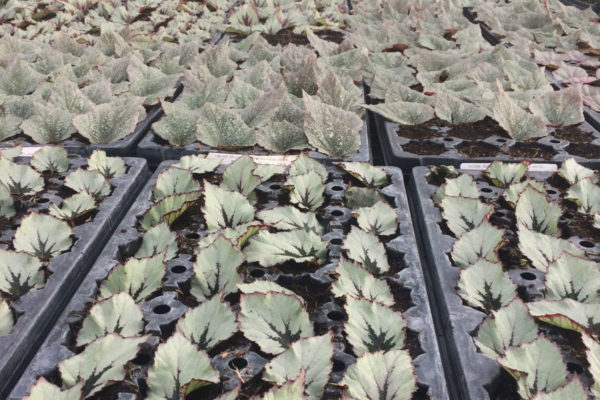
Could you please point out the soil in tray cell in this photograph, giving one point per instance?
(424, 148)
(479, 130)
(572, 134)
(584, 150)
(531, 150)
(429, 130)
(478, 149)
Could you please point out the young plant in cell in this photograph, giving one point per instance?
(569, 299)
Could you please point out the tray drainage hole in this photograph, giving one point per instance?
(338, 366)
(275, 186)
(586, 243)
(337, 213)
(568, 215)
(178, 269)
(336, 241)
(336, 315)
(238, 363)
(551, 191)
(554, 141)
(337, 188)
(161, 309)
(42, 200)
(141, 359)
(501, 140)
(257, 273)
(192, 235)
(528, 276)
(486, 190)
(574, 368)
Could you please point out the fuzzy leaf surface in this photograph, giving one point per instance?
(174, 181)
(535, 212)
(50, 158)
(306, 190)
(559, 108)
(403, 112)
(215, 269)
(300, 246)
(537, 367)
(156, 240)
(179, 368)
(507, 327)
(140, 277)
(223, 128)
(485, 285)
(568, 314)
(355, 280)
(92, 182)
(504, 174)
(373, 327)
(225, 209)
(209, 323)
(19, 273)
(481, 242)
(463, 214)
(313, 355)
(116, 314)
(110, 167)
(542, 250)
(274, 320)
(43, 236)
(21, 180)
(367, 174)
(331, 130)
(168, 209)
(383, 375)
(73, 207)
(101, 362)
(289, 218)
(379, 219)
(366, 249)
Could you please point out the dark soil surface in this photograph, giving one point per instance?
(572, 134)
(287, 36)
(584, 150)
(531, 150)
(479, 130)
(424, 148)
(475, 149)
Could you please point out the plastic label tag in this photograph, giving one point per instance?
(531, 168)
(542, 168)
(228, 158)
(29, 151)
(474, 166)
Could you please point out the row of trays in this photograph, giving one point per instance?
(423, 274)
(433, 143)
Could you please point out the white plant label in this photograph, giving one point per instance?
(530, 168)
(228, 158)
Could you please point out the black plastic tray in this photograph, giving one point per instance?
(394, 154)
(475, 376)
(39, 309)
(121, 148)
(125, 241)
(155, 153)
